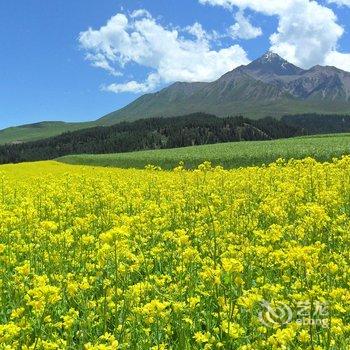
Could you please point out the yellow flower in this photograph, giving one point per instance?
(193, 301)
(202, 338)
(233, 330)
(70, 318)
(304, 336)
(16, 313)
(108, 258)
(24, 269)
(231, 265)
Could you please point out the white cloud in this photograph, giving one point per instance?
(340, 2)
(150, 84)
(243, 29)
(306, 34)
(200, 34)
(169, 56)
(197, 31)
(98, 60)
(307, 31)
(268, 7)
(338, 59)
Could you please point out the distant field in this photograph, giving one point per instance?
(229, 155)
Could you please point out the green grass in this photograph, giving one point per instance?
(229, 155)
(37, 131)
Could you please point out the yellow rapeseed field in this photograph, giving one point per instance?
(246, 259)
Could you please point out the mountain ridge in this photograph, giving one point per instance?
(268, 86)
(274, 85)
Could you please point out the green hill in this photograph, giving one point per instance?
(37, 131)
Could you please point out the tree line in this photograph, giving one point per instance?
(157, 133)
(312, 123)
(147, 134)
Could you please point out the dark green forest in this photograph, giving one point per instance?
(146, 134)
(161, 133)
(312, 124)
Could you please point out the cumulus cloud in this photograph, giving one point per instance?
(168, 55)
(243, 29)
(307, 31)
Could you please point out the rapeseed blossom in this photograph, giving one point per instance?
(246, 259)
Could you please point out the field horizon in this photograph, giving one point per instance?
(229, 155)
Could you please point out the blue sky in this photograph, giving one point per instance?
(52, 67)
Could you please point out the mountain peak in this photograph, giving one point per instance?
(272, 63)
(271, 56)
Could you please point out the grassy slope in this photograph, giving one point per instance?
(146, 107)
(229, 155)
(32, 132)
(247, 108)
